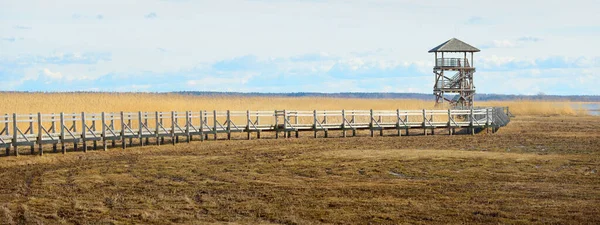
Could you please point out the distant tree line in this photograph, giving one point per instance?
(421, 96)
(371, 95)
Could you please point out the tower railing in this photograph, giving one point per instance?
(452, 62)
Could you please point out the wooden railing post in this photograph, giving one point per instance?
(123, 140)
(315, 123)
(93, 131)
(276, 125)
(286, 133)
(257, 122)
(40, 133)
(406, 121)
(424, 123)
(353, 122)
(202, 125)
(296, 118)
(140, 128)
(157, 127)
(103, 127)
(228, 125)
(398, 122)
(325, 130)
(83, 132)
(7, 127)
(380, 121)
(187, 126)
(162, 138)
(112, 126)
(371, 123)
(74, 126)
(173, 138)
(15, 132)
(296, 122)
(471, 129)
(343, 123)
(177, 124)
(146, 115)
(62, 133)
(215, 123)
(248, 123)
(131, 128)
(53, 130)
(32, 146)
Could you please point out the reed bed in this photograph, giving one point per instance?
(538, 108)
(114, 102)
(132, 102)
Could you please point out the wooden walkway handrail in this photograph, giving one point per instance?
(61, 128)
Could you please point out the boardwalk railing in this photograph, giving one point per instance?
(83, 128)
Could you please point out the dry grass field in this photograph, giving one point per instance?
(133, 102)
(541, 169)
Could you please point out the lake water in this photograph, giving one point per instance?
(592, 108)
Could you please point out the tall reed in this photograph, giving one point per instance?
(132, 102)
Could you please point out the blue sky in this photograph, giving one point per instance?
(527, 47)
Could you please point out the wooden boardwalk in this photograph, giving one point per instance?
(93, 128)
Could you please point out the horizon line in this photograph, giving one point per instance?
(284, 93)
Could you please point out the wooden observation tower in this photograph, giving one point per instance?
(454, 73)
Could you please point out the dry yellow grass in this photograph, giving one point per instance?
(97, 102)
(545, 108)
(535, 171)
(114, 102)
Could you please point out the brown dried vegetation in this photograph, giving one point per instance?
(536, 170)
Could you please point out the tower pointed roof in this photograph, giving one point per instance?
(454, 45)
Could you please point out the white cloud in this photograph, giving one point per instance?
(77, 16)
(475, 20)
(217, 83)
(140, 87)
(151, 15)
(365, 38)
(515, 43)
(12, 39)
(500, 44)
(52, 75)
(495, 60)
(529, 39)
(21, 27)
